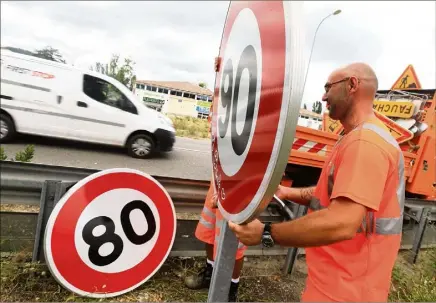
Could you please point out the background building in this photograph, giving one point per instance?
(178, 98)
(310, 119)
(188, 99)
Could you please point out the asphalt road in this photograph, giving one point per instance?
(190, 158)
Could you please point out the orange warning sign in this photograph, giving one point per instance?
(399, 133)
(395, 109)
(407, 80)
(331, 126)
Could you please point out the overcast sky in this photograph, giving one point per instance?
(177, 41)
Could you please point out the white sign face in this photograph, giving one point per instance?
(239, 97)
(125, 254)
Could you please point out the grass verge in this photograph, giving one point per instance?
(190, 127)
(261, 281)
(414, 283)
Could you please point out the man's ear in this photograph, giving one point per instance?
(355, 82)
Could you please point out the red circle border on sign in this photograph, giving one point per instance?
(63, 249)
(264, 137)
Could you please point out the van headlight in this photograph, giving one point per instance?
(165, 120)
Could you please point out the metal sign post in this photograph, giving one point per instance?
(223, 269)
(258, 90)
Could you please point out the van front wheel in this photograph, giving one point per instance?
(140, 146)
(7, 128)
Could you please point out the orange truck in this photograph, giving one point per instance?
(410, 115)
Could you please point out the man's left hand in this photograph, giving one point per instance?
(249, 234)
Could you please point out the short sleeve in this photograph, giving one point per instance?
(361, 172)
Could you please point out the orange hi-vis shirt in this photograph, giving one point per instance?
(366, 166)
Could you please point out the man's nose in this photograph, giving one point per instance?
(324, 97)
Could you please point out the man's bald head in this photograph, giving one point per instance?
(350, 89)
(365, 74)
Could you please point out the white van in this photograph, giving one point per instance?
(46, 98)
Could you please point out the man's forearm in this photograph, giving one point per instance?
(315, 229)
(299, 195)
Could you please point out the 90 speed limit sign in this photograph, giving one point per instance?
(110, 233)
(258, 90)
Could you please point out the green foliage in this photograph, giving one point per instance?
(415, 283)
(317, 107)
(22, 156)
(191, 127)
(3, 156)
(19, 50)
(202, 84)
(123, 73)
(50, 53)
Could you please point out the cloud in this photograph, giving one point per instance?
(387, 35)
(177, 41)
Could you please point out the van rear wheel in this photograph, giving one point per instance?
(141, 146)
(7, 128)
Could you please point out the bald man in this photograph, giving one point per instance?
(352, 231)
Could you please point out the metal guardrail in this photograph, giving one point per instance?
(21, 183)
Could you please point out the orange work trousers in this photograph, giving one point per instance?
(211, 220)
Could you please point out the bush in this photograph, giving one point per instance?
(22, 156)
(190, 127)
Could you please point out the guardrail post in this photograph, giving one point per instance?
(292, 255)
(422, 217)
(45, 207)
(52, 191)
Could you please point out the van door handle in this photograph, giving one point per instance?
(81, 104)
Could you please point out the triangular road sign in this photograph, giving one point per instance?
(331, 126)
(407, 80)
(400, 134)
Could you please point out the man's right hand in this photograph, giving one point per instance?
(298, 195)
(214, 199)
(281, 192)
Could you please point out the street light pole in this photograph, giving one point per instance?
(337, 12)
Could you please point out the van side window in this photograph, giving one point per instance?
(106, 93)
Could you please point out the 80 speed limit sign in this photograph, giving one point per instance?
(110, 233)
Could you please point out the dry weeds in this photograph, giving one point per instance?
(262, 281)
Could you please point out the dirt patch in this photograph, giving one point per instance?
(19, 208)
(262, 281)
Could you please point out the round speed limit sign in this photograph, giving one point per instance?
(258, 92)
(110, 233)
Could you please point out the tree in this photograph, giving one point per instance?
(19, 50)
(305, 106)
(49, 53)
(124, 73)
(202, 84)
(317, 107)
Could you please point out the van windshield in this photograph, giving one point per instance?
(127, 92)
(107, 93)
